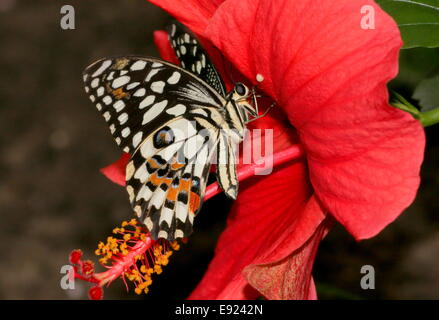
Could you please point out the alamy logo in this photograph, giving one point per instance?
(67, 282)
(67, 21)
(368, 280)
(368, 18)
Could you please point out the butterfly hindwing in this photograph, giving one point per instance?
(193, 57)
(167, 189)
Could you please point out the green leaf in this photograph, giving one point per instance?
(427, 93)
(400, 102)
(417, 20)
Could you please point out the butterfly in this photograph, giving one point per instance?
(173, 121)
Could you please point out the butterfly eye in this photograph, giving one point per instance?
(163, 138)
(240, 89)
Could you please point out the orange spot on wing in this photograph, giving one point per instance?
(172, 194)
(153, 163)
(194, 202)
(119, 93)
(185, 185)
(158, 181)
(175, 165)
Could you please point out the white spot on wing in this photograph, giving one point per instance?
(132, 85)
(123, 118)
(130, 189)
(142, 174)
(102, 68)
(151, 74)
(158, 198)
(158, 86)
(100, 91)
(119, 105)
(95, 83)
(119, 82)
(163, 234)
(147, 102)
(166, 215)
(110, 76)
(140, 92)
(107, 116)
(154, 111)
(126, 132)
(178, 110)
(178, 234)
(138, 65)
(107, 100)
(137, 139)
(181, 211)
(174, 78)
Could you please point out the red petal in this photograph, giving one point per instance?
(289, 278)
(312, 294)
(116, 171)
(286, 214)
(193, 13)
(330, 76)
(162, 43)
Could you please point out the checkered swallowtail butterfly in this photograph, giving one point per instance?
(172, 121)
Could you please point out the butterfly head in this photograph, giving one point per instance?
(240, 94)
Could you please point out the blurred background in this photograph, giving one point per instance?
(52, 143)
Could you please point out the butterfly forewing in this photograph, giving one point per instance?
(138, 95)
(193, 57)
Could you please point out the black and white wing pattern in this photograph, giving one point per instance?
(169, 121)
(193, 57)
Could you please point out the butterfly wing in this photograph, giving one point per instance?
(193, 57)
(169, 121)
(137, 95)
(167, 190)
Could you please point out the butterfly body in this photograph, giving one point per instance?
(173, 124)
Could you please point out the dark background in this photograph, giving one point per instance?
(53, 142)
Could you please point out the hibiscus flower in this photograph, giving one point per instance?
(341, 152)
